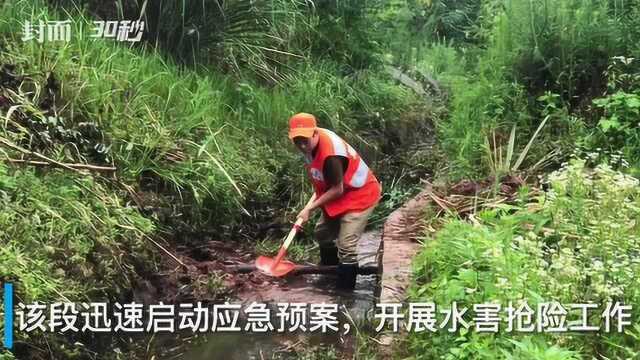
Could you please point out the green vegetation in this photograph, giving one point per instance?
(525, 61)
(537, 86)
(189, 127)
(59, 230)
(577, 243)
(193, 120)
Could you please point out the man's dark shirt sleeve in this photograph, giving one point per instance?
(334, 168)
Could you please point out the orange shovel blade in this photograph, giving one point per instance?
(266, 265)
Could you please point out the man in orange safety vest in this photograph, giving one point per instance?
(346, 190)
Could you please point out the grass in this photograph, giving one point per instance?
(526, 52)
(59, 229)
(577, 243)
(184, 130)
(558, 75)
(213, 145)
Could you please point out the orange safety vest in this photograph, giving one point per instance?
(361, 188)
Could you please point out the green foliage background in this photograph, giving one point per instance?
(576, 243)
(509, 67)
(194, 120)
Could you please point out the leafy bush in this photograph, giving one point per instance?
(5, 355)
(619, 123)
(619, 110)
(577, 243)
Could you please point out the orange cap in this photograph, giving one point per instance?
(302, 124)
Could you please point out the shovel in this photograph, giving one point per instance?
(278, 267)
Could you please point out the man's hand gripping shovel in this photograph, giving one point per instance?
(278, 267)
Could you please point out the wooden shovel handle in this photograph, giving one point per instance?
(296, 226)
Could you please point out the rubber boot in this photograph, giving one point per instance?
(329, 256)
(347, 276)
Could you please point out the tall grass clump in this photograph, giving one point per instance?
(236, 36)
(615, 135)
(560, 46)
(160, 125)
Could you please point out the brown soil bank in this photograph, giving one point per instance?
(399, 241)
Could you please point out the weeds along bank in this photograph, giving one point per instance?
(179, 147)
(520, 61)
(576, 243)
(557, 81)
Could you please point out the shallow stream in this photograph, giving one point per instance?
(310, 289)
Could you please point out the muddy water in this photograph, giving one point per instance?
(311, 289)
